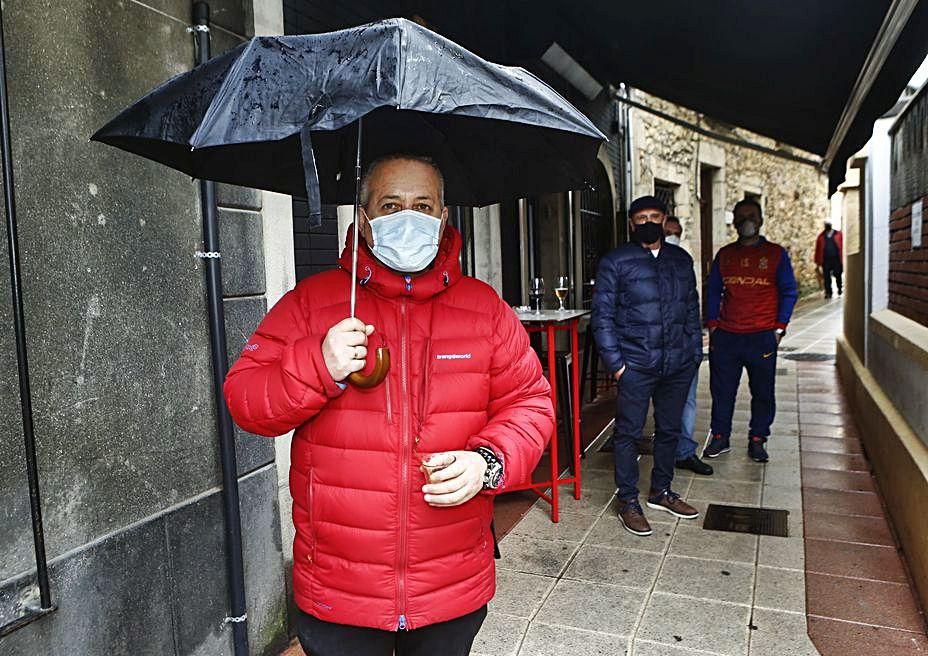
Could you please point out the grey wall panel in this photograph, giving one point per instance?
(113, 598)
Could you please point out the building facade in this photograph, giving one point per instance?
(118, 344)
(702, 177)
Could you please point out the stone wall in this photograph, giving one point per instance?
(115, 308)
(793, 194)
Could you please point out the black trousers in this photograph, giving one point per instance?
(832, 267)
(451, 638)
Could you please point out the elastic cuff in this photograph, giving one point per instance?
(712, 323)
(780, 325)
(474, 443)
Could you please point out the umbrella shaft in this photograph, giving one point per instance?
(356, 221)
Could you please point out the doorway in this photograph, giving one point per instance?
(596, 232)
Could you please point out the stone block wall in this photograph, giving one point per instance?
(118, 340)
(793, 195)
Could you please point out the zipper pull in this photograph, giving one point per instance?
(402, 623)
(408, 280)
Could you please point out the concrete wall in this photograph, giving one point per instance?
(793, 195)
(119, 354)
(883, 355)
(895, 446)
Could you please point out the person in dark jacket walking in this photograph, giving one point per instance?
(750, 299)
(829, 257)
(646, 323)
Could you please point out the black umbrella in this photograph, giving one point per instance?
(275, 110)
(284, 114)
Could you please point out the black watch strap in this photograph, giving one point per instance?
(494, 472)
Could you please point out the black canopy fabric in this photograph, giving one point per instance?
(274, 112)
(782, 68)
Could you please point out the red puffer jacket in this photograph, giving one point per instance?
(368, 550)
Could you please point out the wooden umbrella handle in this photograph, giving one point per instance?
(381, 368)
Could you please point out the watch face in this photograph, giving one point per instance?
(493, 476)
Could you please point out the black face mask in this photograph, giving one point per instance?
(648, 232)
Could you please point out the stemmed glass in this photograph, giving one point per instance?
(563, 284)
(536, 292)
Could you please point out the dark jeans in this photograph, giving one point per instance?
(729, 353)
(635, 390)
(451, 638)
(832, 268)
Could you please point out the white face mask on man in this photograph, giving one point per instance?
(405, 241)
(672, 239)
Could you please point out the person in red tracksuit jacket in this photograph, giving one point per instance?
(393, 485)
(750, 298)
(829, 257)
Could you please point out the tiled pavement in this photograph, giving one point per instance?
(587, 587)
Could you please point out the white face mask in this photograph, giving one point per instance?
(672, 239)
(405, 241)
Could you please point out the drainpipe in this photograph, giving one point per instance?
(217, 338)
(19, 325)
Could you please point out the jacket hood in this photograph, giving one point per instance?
(444, 271)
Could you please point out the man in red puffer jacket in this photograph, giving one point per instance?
(385, 562)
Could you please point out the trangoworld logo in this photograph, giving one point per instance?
(453, 356)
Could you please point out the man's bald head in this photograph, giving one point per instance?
(373, 168)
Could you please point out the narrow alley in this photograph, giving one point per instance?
(585, 586)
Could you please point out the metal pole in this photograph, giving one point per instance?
(355, 221)
(25, 394)
(217, 337)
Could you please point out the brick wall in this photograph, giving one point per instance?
(908, 267)
(315, 249)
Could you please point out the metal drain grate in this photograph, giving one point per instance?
(737, 519)
(809, 357)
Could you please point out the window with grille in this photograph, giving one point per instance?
(667, 193)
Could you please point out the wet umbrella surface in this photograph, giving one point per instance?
(280, 113)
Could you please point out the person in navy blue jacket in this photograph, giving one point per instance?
(750, 298)
(646, 324)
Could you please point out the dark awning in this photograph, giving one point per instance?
(786, 69)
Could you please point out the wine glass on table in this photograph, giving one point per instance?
(536, 292)
(563, 284)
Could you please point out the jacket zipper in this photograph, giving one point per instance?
(389, 401)
(404, 464)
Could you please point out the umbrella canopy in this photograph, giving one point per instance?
(280, 113)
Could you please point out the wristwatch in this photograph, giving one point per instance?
(780, 331)
(493, 476)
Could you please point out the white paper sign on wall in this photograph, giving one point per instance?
(917, 224)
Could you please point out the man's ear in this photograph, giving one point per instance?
(364, 226)
(444, 222)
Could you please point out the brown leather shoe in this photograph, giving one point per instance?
(670, 501)
(632, 517)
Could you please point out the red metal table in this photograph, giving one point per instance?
(550, 322)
